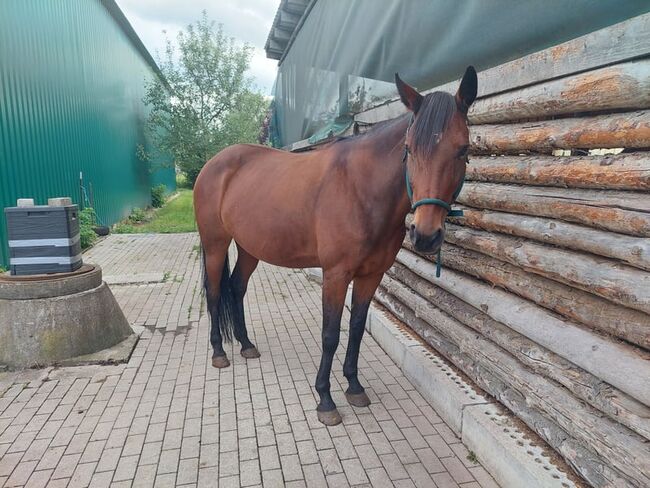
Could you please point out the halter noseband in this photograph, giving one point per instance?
(429, 201)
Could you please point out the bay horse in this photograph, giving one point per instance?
(341, 208)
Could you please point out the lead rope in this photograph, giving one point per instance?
(430, 201)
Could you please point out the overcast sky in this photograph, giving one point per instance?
(245, 20)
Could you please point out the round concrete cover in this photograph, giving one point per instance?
(46, 320)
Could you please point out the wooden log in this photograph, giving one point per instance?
(619, 406)
(623, 86)
(627, 130)
(627, 171)
(594, 312)
(632, 250)
(624, 451)
(618, 283)
(582, 347)
(616, 211)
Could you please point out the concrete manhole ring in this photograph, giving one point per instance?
(87, 277)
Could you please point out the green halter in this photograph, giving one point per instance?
(430, 201)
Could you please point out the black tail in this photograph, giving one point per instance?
(224, 310)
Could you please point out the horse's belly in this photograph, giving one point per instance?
(278, 251)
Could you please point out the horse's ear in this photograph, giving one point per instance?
(467, 90)
(409, 95)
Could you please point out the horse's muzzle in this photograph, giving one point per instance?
(427, 244)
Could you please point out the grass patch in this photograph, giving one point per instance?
(176, 215)
(471, 457)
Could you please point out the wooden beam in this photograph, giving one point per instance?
(582, 347)
(618, 283)
(627, 171)
(634, 251)
(613, 44)
(499, 373)
(616, 211)
(600, 395)
(626, 130)
(574, 304)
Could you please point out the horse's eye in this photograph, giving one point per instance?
(462, 152)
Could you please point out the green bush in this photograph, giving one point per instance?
(182, 181)
(158, 196)
(87, 218)
(137, 216)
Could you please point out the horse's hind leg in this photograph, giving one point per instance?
(215, 256)
(244, 268)
(362, 293)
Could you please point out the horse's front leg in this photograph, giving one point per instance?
(362, 293)
(335, 286)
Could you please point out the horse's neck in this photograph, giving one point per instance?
(387, 175)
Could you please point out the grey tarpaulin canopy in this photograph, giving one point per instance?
(339, 56)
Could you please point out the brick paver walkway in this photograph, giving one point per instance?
(167, 418)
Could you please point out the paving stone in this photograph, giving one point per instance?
(291, 469)
(150, 453)
(188, 471)
(168, 462)
(250, 473)
(273, 479)
(50, 458)
(330, 462)
(228, 464)
(82, 475)
(457, 470)
(207, 477)
(307, 452)
(21, 473)
(109, 459)
(145, 476)
(337, 480)
(354, 471)
(393, 466)
(126, 468)
(66, 466)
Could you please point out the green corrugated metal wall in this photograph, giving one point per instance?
(71, 87)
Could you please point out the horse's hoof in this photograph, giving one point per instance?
(358, 399)
(220, 362)
(250, 353)
(329, 418)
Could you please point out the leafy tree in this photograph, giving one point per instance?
(209, 103)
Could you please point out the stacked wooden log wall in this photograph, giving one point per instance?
(544, 298)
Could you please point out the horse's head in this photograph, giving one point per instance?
(437, 142)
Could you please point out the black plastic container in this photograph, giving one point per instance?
(43, 239)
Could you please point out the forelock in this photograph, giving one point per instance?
(431, 122)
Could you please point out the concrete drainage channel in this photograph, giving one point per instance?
(513, 456)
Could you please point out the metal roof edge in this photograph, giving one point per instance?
(280, 51)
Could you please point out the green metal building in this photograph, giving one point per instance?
(72, 78)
